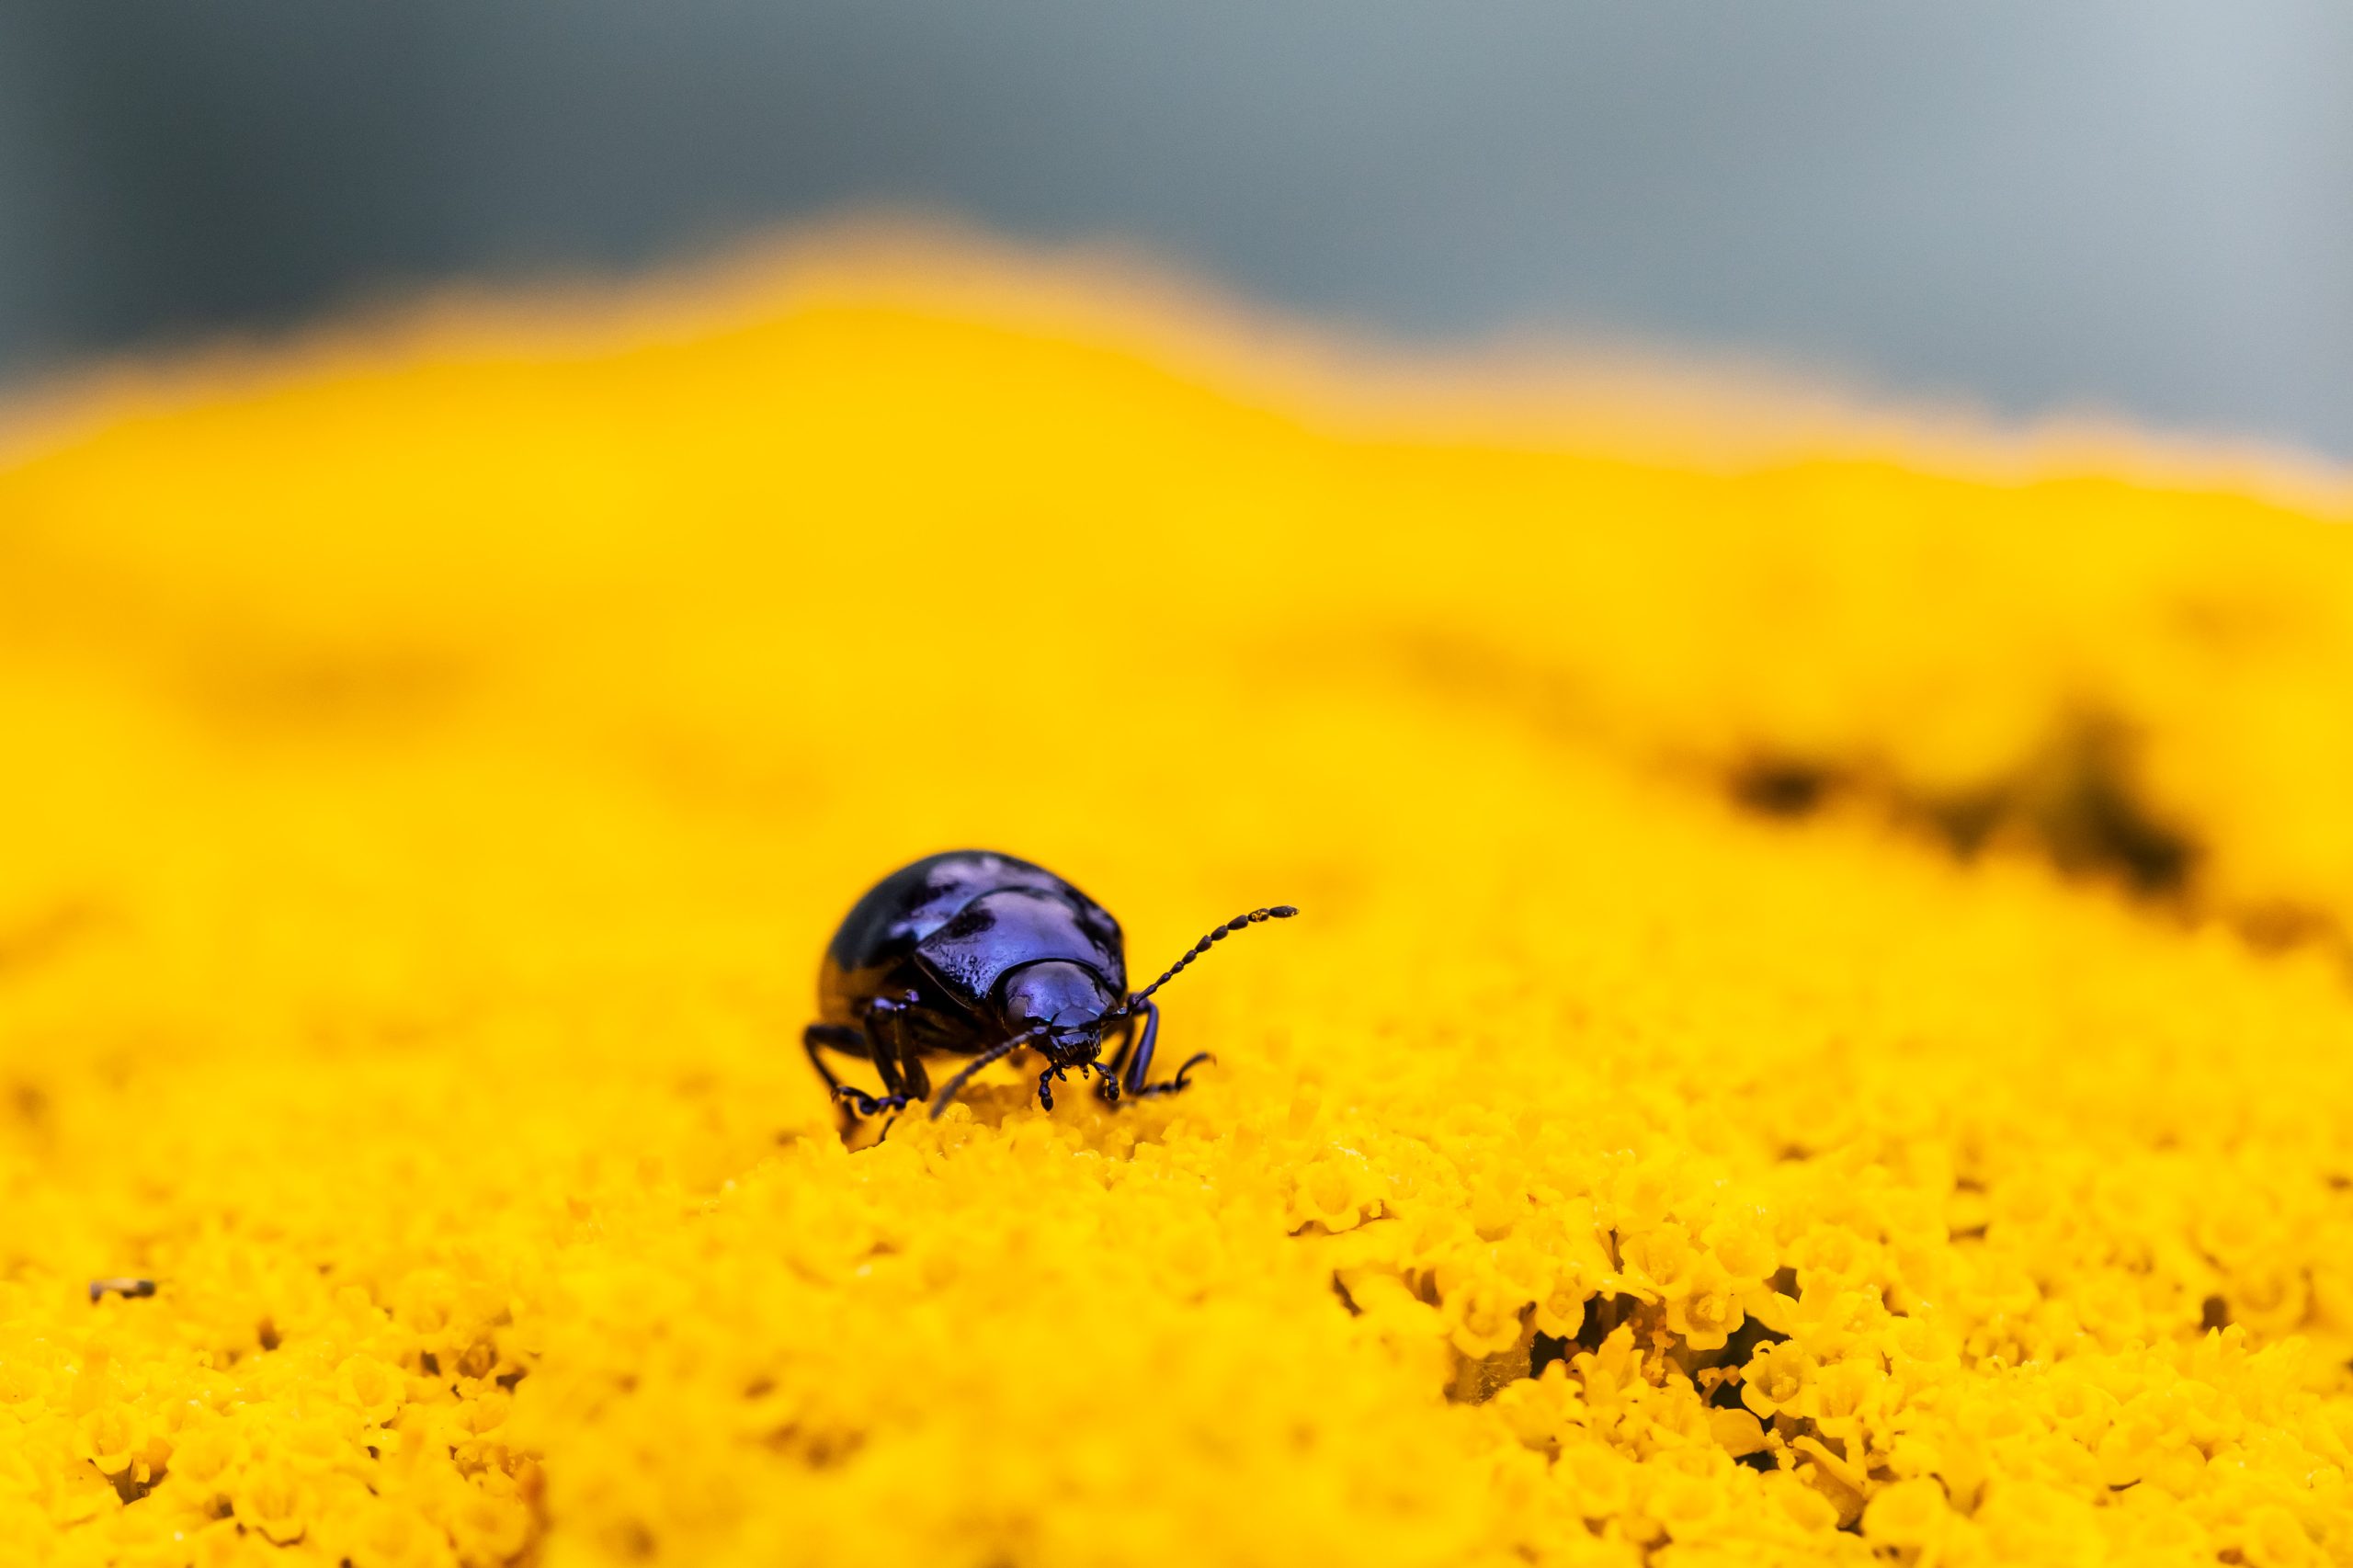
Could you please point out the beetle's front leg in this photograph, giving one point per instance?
(1114, 1068)
(1046, 1084)
(1137, 1070)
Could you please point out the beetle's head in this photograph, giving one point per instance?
(1065, 1002)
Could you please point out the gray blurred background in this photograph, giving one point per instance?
(2137, 206)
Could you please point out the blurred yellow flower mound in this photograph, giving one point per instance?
(1820, 1028)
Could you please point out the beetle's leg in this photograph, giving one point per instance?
(895, 1055)
(851, 1040)
(888, 1040)
(877, 1043)
(1115, 1070)
(903, 1078)
(1180, 1082)
(1139, 1068)
(843, 1037)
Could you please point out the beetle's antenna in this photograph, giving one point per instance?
(996, 1053)
(1280, 911)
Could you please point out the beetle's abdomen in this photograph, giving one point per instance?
(1000, 931)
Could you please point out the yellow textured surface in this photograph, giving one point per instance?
(432, 776)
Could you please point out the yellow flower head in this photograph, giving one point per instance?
(1818, 1000)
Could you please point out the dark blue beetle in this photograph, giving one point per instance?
(976, 954)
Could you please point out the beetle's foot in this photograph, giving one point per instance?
(1179, 1083)
(1046, 1084)
(871, 1105)
(1108, 1091)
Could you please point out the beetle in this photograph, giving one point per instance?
(973, 953)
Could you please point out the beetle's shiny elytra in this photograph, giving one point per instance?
(977, 954)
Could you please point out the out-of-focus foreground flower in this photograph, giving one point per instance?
(1820, 1028)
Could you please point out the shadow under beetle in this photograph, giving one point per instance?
(977, 954)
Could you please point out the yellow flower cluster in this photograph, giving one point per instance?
(1819, 1029)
